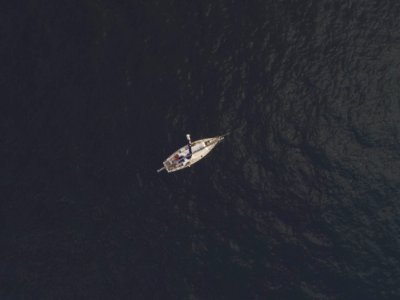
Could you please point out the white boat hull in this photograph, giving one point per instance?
(200, 148)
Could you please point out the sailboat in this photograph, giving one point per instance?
(190, 154)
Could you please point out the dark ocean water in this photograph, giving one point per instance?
(301, 201)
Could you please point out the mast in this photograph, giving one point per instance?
(190, 144)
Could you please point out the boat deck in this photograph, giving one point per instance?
(200, 148)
